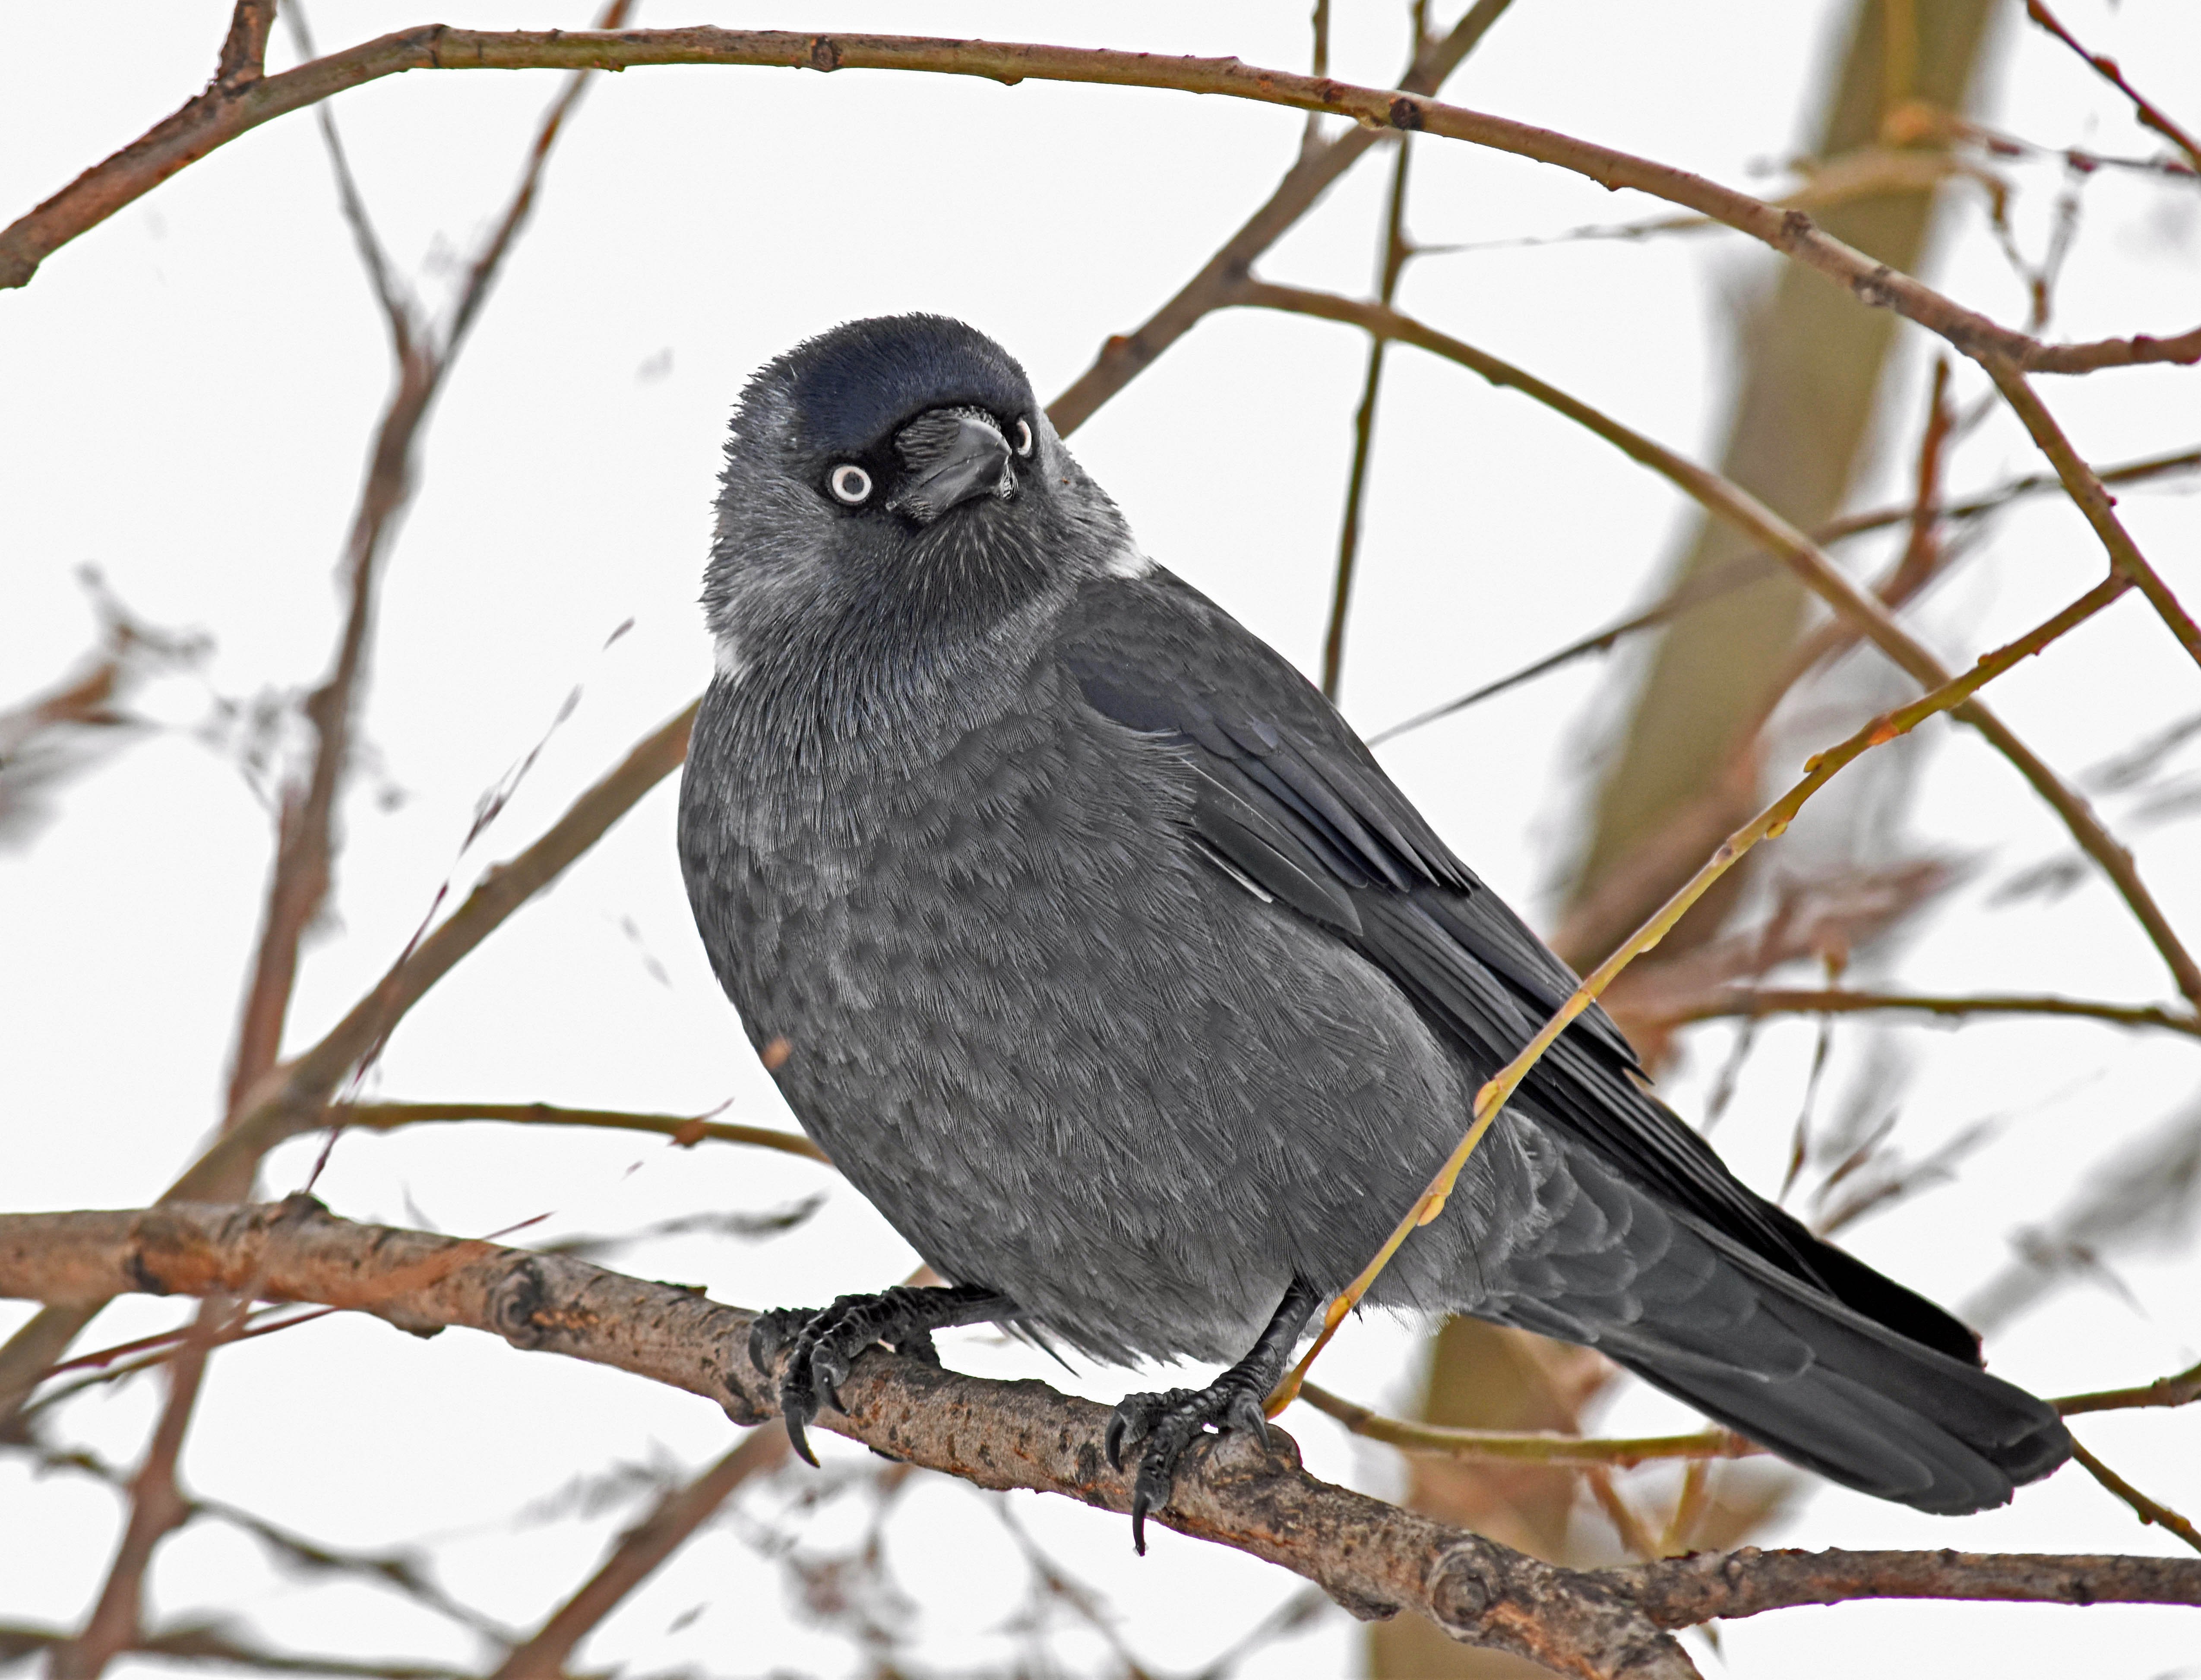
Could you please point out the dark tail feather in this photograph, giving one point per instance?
(1858, 1379)
(1826, 1388)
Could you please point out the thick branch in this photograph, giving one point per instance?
(214, 119)
(1371, 1556)
(1374, 1559)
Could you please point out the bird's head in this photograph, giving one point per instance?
(893, 486)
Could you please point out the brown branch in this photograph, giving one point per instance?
(293, 1097)
(211, 121)
(1729, 501)
(1373, 1556)
(2151, 114)
(640, 1551)
(1126, 356)
(305, 845)
(686, 1130)
(1711, 1586)
(1755, 1003)
(1396, 251)
(2183, 1390)
(2147, 1510)
(2094, 502)
(1543, 1447)
(1538, 1447)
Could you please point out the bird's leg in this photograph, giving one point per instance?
(826, 1341)
(1171, 1420)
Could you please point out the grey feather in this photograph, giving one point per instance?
(1119, 977)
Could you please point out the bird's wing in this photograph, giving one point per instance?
(1288, 799)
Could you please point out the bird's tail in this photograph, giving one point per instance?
(1829, 1388)
(1871, 1387)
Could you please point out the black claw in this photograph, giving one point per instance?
(820, 1347)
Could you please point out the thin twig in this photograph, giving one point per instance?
(686, 1130)
(2147, 1510)
(211, 121)
(2151, 114)
(1731, 502)
(1396, 251)
(1772, 821)
(1497, 1446)
(1756, 1002)
(1746, 569)
(2183, 1390)
(2094, 502)
(640, 1551)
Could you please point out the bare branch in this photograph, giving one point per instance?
(1396, 251)
(1539, 1446)
(1373, 1556)
(2151, 115)
(686, 1130)
(2183, 1390)
(209, 121)
(2147, 1510)
(2094, 502)
(1686, 1592)
(640, 1551)
(1756, 1002)
(1374, 1559)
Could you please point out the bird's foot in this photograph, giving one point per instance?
(822, 1344)
(1168, 1423)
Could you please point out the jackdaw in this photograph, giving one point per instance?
(1104, 958)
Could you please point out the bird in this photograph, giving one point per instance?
(1095, 948)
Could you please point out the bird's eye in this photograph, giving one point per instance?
(1024, 438)
(850, 484)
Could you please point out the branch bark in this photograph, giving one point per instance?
(1372, 1557)
(214, 118)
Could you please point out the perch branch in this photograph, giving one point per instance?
(1374, 1557)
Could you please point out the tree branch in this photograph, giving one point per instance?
(1755, 1003)
(1373, 1556)
(2149, 114)
(292, 1097)
(1374, 1559)
(214, 119)
(1396, 251)
(686, 1130)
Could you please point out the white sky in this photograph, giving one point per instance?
(190, 388)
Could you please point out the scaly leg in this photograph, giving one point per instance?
(1169, 1422)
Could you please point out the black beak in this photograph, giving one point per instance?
(955, 456)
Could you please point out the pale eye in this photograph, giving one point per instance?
(1024, 438)
(850, 484)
